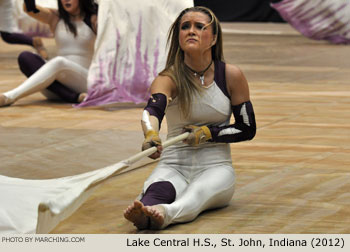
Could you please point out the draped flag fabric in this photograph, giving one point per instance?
(318, 19)
(14, 19)
(7, 21)
(130, 49)
(37, 206)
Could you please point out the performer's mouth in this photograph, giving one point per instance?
(68, 5)
(191, 40)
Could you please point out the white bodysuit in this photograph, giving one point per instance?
(70, 67)
(203, 176)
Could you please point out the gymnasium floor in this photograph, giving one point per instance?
(292, 178)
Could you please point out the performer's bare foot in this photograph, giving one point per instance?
(136, 215)
(81, 97)
(157, 215)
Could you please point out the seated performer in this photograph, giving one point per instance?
(74, 26)
(198, 92)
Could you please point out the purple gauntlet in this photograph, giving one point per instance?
(30, 5)
(156, 106)
(243, 129)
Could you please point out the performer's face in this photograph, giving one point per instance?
(71, 6)
(194, 32)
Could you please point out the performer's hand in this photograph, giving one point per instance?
(152, 139)
(198, 135)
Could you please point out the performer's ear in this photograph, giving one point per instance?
(214, 41)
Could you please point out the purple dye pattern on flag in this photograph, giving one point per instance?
(130, 86)
(321, 12)
(323, 27)
(301, 11)
(35, 29)
(156, 57)
(318, 19)
(114, 74)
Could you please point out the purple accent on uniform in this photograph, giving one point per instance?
(64, 92)
(30, 5)
(220, 77)
(156, 106)
(16, 38)
(322, 20)
(29, 63)
(162, 192)
(246, 129)
(132, 85)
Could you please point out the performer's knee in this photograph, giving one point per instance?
(29, 62)
(162, 192)
(59, 62)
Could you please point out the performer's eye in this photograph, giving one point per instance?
(185, 26)
(200, 26)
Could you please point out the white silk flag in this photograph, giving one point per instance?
(318, 19)
(130, 49)
(37, 206)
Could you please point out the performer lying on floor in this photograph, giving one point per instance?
(198, 92)
(74, 26)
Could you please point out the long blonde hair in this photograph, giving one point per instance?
(175, 67)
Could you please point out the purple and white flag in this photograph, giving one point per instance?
(130, 49)
(318, 19)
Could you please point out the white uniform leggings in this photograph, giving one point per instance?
(213, 188)
(59, 68)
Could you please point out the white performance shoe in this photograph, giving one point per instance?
(4, 101)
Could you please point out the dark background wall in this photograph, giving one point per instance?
(242, 10)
